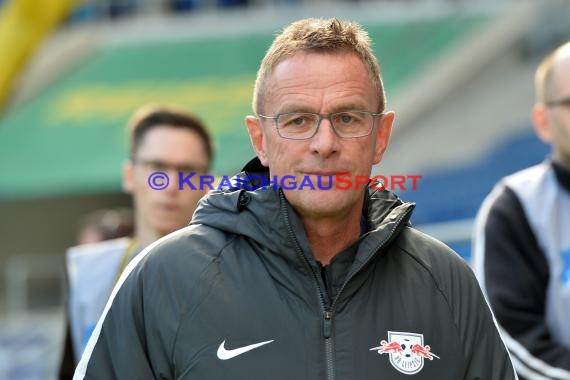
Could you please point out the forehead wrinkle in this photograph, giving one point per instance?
(294, 86)
(312, 99)
(291, 98)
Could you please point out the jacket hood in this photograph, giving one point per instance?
(264, 215)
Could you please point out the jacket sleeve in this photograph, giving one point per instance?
(121, 346)
(514, 274)
(484, 352)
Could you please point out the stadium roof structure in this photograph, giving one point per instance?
(70, 139)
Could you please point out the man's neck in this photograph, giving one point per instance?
(145, 236)
(328, 237)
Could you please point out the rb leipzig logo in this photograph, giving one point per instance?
(406, 350)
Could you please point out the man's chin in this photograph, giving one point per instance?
(170, 228)
(320, 202)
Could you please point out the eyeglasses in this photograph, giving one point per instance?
(304, 125)
(564, 102)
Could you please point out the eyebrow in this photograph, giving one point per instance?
(295, 108)
(349, 107)
(339, 108)
(160, 162)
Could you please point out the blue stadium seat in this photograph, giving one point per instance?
(454, 194)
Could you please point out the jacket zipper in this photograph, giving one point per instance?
(327, 327)
(328, 311)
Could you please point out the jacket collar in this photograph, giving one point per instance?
(265, 216)
(562, 175)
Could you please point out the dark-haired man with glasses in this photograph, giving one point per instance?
(171, 141)
(522, 238)
(162, 140)
(281, 284)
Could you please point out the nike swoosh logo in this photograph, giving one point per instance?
(224, 354)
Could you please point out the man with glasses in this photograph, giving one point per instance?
(302, 283)
(163, 140)
(522, 238)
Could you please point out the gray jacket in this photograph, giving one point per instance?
(522, 259)
(238, 295)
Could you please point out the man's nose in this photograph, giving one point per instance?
(325, 141)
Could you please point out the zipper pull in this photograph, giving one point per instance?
(327, 325)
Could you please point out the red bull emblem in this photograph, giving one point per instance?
(406, 350)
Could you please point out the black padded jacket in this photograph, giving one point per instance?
(238, 295)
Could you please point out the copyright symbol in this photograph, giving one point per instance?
(158, 181)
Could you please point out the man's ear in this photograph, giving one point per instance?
(541, 123)
(383, 132)
(257, 138)
(128, 177)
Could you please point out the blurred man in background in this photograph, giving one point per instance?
(522, 238)
(162, 140)
(299, 283)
